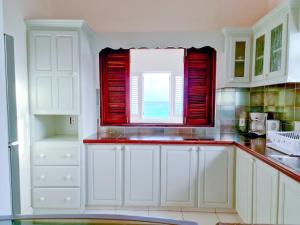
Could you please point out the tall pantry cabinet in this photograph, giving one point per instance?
(62, 111)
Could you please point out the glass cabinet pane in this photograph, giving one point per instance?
(259, 55)
(276, 48)
(239, 60)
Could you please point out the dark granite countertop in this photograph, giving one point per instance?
(288, 165)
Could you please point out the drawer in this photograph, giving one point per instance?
(56, 156)
(56, 176)
(56, 198)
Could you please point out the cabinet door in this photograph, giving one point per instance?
(259, 56)
(289, 201)
(277, 44)
(141, 175)
(240, 57)
(244, 176)
(265, 192)
(215, 183)
(104, 175)
(178, 175)
(54, 68)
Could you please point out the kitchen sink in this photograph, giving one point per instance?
(289, 161)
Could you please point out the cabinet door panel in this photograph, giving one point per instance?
(265, 191)
(215, 176)
(65, 93)
(178, 175)
(104, 175)
(289, 201)
(141, 175)
(64, 53)
(44, 93)
(244, 177)
(42, 53)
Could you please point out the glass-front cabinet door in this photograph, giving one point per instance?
(240, 56)
(259, 57)
(277, 51)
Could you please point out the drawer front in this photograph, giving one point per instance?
(56, 176)
(56, 156)
(56, 198)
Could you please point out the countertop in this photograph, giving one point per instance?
(257, 147)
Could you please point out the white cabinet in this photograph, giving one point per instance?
(237, 53)
(244, 177)
(104, 174)
(178, 175)
(265, 193)
(215, 183)
(141, 175)
(289, 201)
(54, 72)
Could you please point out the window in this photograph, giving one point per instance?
(156, 96)
(157, 86)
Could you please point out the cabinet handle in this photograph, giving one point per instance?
(68, 177)
(68, 155)
(42, 156)
(42, 199)
(42, 177)
(67, 199)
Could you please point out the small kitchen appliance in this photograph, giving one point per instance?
(273, 125)
(258, 123)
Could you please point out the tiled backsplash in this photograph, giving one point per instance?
(281, 101)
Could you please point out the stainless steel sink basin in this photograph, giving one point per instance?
(289, 161)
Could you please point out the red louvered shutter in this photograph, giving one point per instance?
(114, 80)
(199, 96)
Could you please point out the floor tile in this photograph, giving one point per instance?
(201, 218)
(229, 218)
(166, 214)
(132, 212)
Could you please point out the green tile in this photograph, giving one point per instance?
(297, 113)
(289, 114)
(256, 98)
(289, 97)
(297, 102)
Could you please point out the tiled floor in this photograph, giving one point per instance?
(202, 218)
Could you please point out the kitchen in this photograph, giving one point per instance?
(173, 124)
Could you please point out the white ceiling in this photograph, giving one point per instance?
(154, 15)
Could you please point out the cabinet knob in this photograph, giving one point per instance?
(42, 177)
(68, 177)
(42, 199)
(42, 156)
(68, 155)
(67, 199)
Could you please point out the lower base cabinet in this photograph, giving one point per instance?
(265, 193)
(215, 182)
(178, 175)
(244, 179)
(104, 175)
(141, 180)
(289, 201)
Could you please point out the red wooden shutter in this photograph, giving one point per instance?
(114, 80)
(199, 96)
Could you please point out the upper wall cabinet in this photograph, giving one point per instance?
(54, 71)
(275, 46)
(237, 51)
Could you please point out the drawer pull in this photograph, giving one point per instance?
(42, 156)
(67, 199)
(68, 155)
(42, 177)
(42, 199)
(68, 177)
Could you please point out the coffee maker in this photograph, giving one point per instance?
(258, 123)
